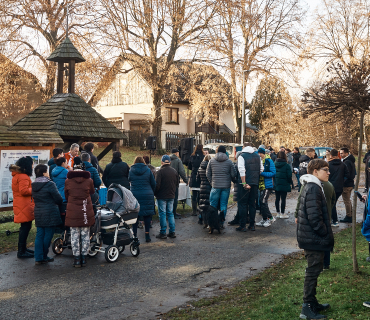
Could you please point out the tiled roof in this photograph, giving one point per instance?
(28, 136)
(65, 52)
(70, 116)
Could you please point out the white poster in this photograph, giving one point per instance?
(9, 157)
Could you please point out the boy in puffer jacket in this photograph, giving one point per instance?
(265, 186)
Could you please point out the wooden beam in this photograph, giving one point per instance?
(106, 150)
(72, 77)
(60, 77)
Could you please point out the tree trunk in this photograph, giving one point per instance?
(157, 114)
(354, 256)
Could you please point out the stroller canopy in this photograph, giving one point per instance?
(121, 200)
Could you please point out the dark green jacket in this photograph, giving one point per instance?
(330, 196)
(283, 177)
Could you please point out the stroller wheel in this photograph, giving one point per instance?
(94, 252)
(121, 249)
(58, 246)
(135, 250)
(111, 253)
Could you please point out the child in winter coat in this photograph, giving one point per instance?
(80, 213)
(47, 216)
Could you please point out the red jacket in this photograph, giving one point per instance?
(23, 205)
(69, 158)
(78, 188)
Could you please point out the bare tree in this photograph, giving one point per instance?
(31, 29)
(150, 33)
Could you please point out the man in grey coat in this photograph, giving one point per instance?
(220, 173)
(177, 164)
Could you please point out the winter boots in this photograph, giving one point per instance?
(310, 311)
(23, 252)
(77, 261)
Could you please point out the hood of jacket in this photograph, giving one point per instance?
(51, 161)
(139, 168)
(39, 183)
(14, 169)
(279, 163)
(173, 157)
(204, 164)
(310, 178)
(221, 157)
(350, 157)
(248, 149)
(304, 158)
(78, 176)
(335, 162)
(88, 164)
(57, 170)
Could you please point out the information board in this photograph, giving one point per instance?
(8, 157)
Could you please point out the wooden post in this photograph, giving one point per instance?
(72, 76)
(60, 77)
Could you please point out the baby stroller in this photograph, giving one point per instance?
(112, 222)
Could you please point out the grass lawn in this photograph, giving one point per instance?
(277, 292)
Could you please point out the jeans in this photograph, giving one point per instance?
(219, 196)
(165, 207)
(315, 261)
(44, 235)
(247, 205)
(264, 204)
(175, 201)
(282, 195)
(334, 214)
(299, 182)
(346, 195)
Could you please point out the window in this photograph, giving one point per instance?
(172, 115)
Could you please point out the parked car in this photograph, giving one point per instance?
(231, 148)
(320, 151)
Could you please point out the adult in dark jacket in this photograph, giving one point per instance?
(338, 173)
(249, 166)
(196, 159)
(143, 187)
(296, 156)
(85, 157)
(314, 234)
(220, 172)
(52, 163)
(205, 187)
(283, 181)
(349, 183)
(89, 148)
(116, 172)
(177, 164)
(167, 180)
(80, 213)
(305, 160)
(47, 216)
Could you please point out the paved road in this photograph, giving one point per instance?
(168, 273)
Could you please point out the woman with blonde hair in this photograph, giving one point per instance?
(142, 187)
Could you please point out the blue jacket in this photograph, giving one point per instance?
(268, 173)
(94, 174)
(52, 165)
(59, 176)
(366, 225)
(142, 187)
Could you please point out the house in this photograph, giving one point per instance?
(20, 91)
(124, 97)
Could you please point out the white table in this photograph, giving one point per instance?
(184, 194)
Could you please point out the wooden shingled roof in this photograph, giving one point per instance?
(65, 52)
(27, 137)
(71, 117)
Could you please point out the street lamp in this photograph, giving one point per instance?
(243, 110)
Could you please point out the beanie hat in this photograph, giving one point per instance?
(261, 150)
(175, 150)
(221, 149)
(166, 158)
(262, 146)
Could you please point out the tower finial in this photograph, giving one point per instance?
(67, 20)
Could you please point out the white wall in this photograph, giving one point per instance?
(226, 117)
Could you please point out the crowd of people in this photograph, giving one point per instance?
(63, 194)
